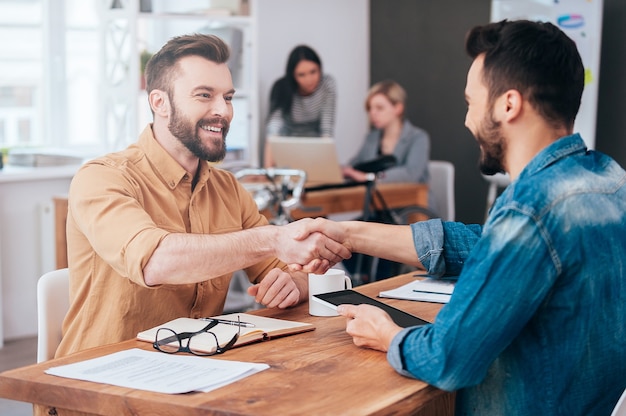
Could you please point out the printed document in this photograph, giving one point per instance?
(158, 372)
(426, 290)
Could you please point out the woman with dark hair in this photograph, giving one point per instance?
(302, 103)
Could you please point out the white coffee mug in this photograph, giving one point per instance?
(331, 281)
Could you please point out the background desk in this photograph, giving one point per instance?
(318, 372)
(332, 201)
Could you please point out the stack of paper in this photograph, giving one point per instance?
(159, 372)
(427, 290)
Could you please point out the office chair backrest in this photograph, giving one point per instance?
(53, 302)
(442, 187)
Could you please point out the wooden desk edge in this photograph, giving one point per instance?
(31, 382)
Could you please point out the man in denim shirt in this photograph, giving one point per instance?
(537, 322)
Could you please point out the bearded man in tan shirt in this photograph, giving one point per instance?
(155, 231)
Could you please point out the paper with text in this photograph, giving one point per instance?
(158, 372)
(426, 290)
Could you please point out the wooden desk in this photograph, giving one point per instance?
(318, 372)
(331, 201)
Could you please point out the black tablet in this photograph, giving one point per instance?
(342, 297)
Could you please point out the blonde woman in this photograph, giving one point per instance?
(393, 135)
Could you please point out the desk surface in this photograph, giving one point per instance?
(329, 201)
(318, 372)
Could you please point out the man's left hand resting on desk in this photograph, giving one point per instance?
(279, 289)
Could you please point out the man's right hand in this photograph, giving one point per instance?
(305, 246)
(369, 326)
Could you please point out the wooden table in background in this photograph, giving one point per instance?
(332, 201)
(317, 372)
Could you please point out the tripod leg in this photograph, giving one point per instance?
(358, 275)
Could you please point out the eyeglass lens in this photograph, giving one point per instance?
(203, 342)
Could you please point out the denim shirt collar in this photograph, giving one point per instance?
(560, 149)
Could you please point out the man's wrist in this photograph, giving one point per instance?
(370, 177)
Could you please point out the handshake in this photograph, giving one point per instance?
(312, 245)
(315, 245)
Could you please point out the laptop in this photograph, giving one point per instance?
(317, 156)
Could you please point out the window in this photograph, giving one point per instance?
(21, 72)
(69, 70)
(49, 74)
(82, 74)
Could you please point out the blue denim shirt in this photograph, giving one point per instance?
(537, 321)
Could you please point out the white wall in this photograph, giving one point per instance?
(338, 30)
(587, 35)
(26, 242)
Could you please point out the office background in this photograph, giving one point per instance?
(420, 44)
(339, 33)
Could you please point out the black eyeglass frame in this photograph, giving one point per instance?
(180, 337)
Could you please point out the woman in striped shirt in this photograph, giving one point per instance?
(302, 103)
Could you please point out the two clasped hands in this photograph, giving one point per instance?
(314, 246)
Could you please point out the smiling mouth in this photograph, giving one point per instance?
(212, 128)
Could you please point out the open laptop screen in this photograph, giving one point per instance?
(317, 156)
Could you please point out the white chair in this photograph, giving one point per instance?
(442, 187)
(620, 407)
(499, 180)
(53, 302)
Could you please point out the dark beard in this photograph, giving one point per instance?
(492, 146)
(185, 131)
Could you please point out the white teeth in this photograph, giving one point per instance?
(212, 128)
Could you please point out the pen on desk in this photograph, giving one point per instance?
(440, 278)
(430, 292)
(227, 322)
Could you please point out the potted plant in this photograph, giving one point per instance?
(144, 57)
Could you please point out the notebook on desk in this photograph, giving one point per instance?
(262, 329)
(317, 156)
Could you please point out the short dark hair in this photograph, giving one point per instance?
(537, 59)
(281, 96)
(162, 67)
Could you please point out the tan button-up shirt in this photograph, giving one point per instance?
(120, 207)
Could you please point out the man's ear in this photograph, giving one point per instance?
(512, 104)
(159, 103)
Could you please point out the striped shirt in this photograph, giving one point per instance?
(311, 116)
